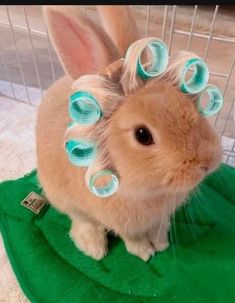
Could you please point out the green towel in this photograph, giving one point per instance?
(199, 265)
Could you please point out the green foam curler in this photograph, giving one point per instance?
(109, 189)
(215, 101)
(84, 108)
(80, 152)
(199, 79)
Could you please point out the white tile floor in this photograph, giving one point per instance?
(17, 143)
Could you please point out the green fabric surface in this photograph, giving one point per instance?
(199, 265)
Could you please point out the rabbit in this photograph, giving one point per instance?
(157, 141)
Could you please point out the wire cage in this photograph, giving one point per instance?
(28, 63)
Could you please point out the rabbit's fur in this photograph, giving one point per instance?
(154, 180)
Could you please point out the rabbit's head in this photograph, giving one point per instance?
(158, 141)
(147, 134)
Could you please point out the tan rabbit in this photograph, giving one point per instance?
(156, 140)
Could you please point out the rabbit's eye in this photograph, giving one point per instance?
(143, 136)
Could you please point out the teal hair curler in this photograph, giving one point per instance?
(160, 59)
(159, 63)
(84, 108)
(199, 79)
(80, 152)
(109, 189)
(215, 101)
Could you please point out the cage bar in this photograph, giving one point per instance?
(18, 56)
(147, 21)
(33, 52)
(164, 22)
(7, 74)
(171, 28)
(211, 31)
(192, 26)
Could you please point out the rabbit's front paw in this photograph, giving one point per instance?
(142, 248)
(161, 244)
(90, 240)
(159, 238)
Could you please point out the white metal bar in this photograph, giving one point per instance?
(229, 76)
(192, 26)
(17, 56)
(230, 152)
(50, 55)
(147, 21)
(233, 150)
(211, 31)
(228, 158)
(219, 74)
(33, 52)
(225, 89)
(171, 28)
(7, 73)
(23, 28)
(215, 74)
(228, 116)
(164, 22)
(204, 36)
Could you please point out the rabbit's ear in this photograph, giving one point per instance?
(119, 22)
(81, 45)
